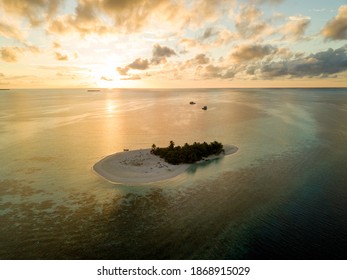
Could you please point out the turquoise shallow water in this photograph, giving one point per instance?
(283, 195)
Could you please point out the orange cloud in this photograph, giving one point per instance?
(123, 71)
(72, 23)
(56, 45)
(295, 28)
(267, 1)
(139, 64)
(10, 54)
(60, 56)
(133, 15)
(118, 16)
(107, 79)
(112, 16)
(336, 29)
(209, 11)
(36, 11)
(252, 51)
(133, 77)
(9, 31)
(249, 23)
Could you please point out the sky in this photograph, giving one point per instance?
(173, 43)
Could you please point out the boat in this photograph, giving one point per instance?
(204, 108)
(93, 90)
(192, 103)
(126, 150)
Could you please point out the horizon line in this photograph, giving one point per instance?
(183, 88)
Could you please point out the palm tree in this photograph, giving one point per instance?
(172, 145)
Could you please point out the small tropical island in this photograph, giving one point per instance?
(157, 164)
(187, 153)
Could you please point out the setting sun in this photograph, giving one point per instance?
(106, 77)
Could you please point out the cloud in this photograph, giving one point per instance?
(56, 45)
(160, 53)
(249, 23)
(132, 77)
(66, 75)
(252, 61)
(139, 64)
(115, 16)
(284, 53)
(209, 33)
(209, 11)
(220, 72)
(336, 29)
(272, 2)
(323, 63)
(225, 37)
(60, 56)
(280, 62)
(250, 52)
(132, 16)
(9, 31)
(295, 28)
(190, 43)
(195, 62)
(212, 37)
(85, 20)
(10, 54)
(123, 70)
(211, 72)
(201, 59)
(103, 78)
(80, 24)
(59, 25)
(36, 11)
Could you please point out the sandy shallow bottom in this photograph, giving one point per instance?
(141, 167)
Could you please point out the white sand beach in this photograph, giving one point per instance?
(141, 167)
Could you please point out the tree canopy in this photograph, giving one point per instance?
(187, 153)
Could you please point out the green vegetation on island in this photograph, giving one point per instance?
(187, 153)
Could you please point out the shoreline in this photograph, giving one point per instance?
(142, 167)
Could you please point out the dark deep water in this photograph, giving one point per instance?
(283, 195)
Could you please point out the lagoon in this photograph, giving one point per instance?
(281, 196)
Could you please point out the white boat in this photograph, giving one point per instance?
(204, 108)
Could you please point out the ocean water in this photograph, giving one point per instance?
(283, 195)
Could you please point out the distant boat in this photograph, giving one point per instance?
(93, 90)
(4, 89)
(204, 108)
(192, 103)
(126, 150)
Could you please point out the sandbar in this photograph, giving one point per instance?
(142, 167)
